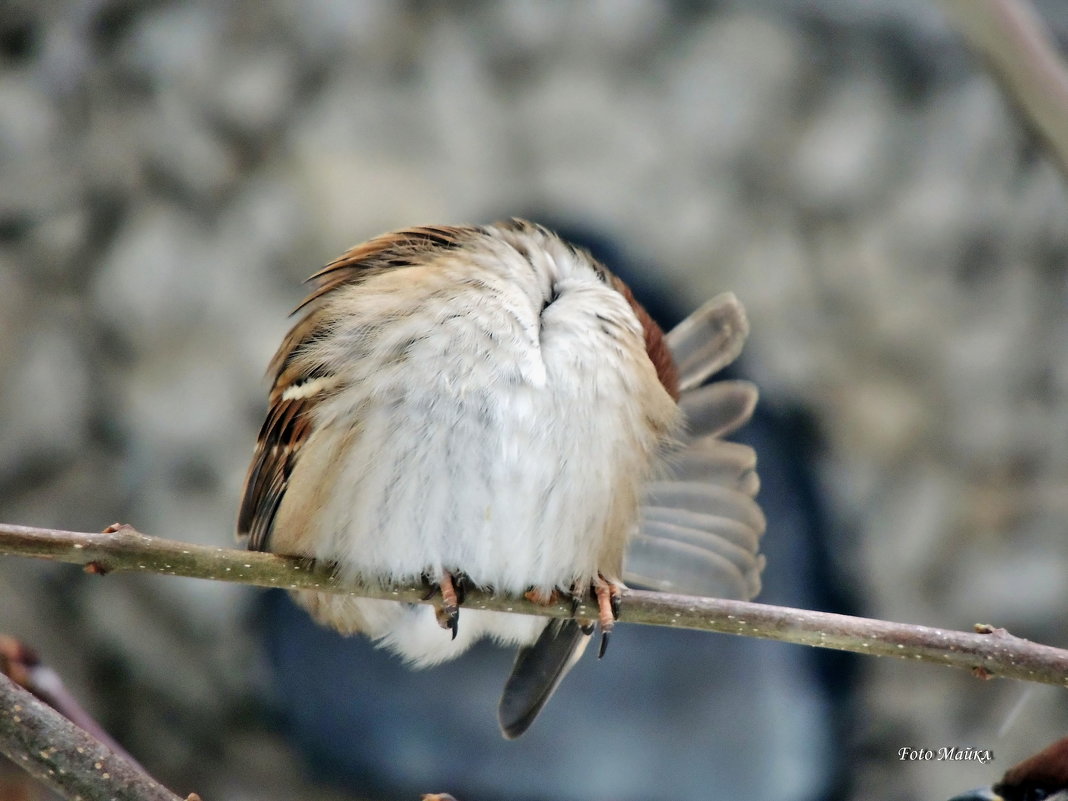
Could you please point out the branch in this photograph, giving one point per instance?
(988, 652)
(66, 758)
(21, 664)
(1010, 37)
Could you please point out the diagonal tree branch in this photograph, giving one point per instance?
(988, 652)
(22, 665)
(65, 757)
(1011, 38)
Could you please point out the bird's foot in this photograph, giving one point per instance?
(609, 595)
(451, 587)
(576, 595)
(541, 597)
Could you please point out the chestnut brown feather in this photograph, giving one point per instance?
(655, 344)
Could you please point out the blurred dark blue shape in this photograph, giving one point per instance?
(666, 715)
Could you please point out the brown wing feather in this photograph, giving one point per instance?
(289, 416)
(383, 253)
(283, 432)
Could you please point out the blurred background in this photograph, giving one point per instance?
(171, 171)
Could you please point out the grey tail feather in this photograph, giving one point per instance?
(536, 673)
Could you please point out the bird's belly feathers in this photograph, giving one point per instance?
(521, 470)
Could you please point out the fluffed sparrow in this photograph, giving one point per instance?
(491, 403)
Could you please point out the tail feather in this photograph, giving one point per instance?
(708, 340)
(690, 569)
(725, 464)
(537, 672)
(718, 409)
(709, 531)
(700, 525)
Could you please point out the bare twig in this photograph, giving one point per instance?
(66, 758)
(21, 664)
(1010, 37)
(987, 652)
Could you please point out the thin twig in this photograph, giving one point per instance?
(66, 758)
(21, 664)
(1010, 37)
(988, 652)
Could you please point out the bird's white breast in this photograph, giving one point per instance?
(499, 416)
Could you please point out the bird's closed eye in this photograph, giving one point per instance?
(554, 293)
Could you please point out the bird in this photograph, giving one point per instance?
(1040, 777)
(489, 406)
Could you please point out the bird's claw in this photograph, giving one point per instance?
(448, 614)
(608, 595)
(604, 644)
(609, 599)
